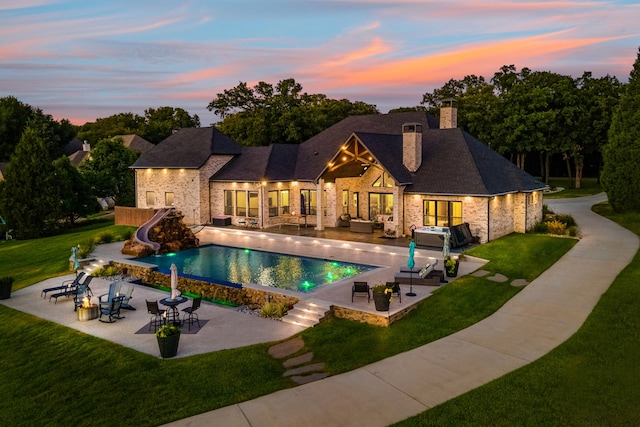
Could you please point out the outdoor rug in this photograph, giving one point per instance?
(185, 329)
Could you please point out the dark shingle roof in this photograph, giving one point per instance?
(72, 146)
(136, 143)
(318, 150)
(272, 163)
(188, 148)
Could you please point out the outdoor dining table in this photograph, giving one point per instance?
(172, 313)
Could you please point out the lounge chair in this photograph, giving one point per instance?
(75, 281)
(111, 309)
(72, 289)
(190, 315)
(360, 288)
(81, 291)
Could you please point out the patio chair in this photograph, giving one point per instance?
(190, 315)
(111, 309)
(71, 289)
(157, 315)
(360, 288)
(114, 289)
(75, 281)
(126, 289)
(395, 290)
(82, 291)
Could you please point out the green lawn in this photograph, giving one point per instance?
(588, 187)
(53, 375)
(590, 380)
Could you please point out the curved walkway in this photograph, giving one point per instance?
(539, 318)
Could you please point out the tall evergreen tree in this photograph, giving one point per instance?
(74, 194)
(29, 199)
(620, 174)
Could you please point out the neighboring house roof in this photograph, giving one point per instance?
(136, 143)
(72, 146)
(78, 157)
(188, 148)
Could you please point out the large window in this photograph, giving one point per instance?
(278, 202)
(442, 213)
(308, 202)
(169, 199)
(356, 205)
(273, 202)
(284, 202)
(345, 201)
(380, 204)
(253, 204)
(384, 180)
(241, 203)
(151, 198)
(228, 202)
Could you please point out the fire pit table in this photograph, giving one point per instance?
(88, 312)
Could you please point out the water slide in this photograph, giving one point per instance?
(142, 233)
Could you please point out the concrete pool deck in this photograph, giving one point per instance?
(227, 327)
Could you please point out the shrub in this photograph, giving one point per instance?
(274, 310)
(106, 271)
(573, 231)
(85, 248)
(105, 237)
(556, 227)
(540, 227)
(566, 219)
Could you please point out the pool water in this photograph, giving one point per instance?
(228, 265)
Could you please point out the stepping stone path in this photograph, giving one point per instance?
(299, 368)
(500, 278)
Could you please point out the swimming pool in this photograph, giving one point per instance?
(229, 265)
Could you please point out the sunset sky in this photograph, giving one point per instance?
(82, 60)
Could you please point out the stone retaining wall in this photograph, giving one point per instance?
(238, 296)
(372, 318)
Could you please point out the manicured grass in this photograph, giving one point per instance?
(31, 261)
(588, 187)
(590, 380)
(54, 375)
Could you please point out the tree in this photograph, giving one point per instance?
(108, 173)
(162, 122)
(29, 198)
(14, 116)
(265, 114)
(621, 156)
(74, 193)
(108, 127)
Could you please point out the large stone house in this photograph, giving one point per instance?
(403, 170)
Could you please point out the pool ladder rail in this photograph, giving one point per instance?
(307, 313)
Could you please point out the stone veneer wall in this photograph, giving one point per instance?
(239, 296)
(371, 318)
(189, 186)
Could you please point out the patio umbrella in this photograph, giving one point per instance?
(411, 262)
(445, 246)
(74, 258)
(174, 282)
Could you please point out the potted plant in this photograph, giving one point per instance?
(168, 336)
(381, 297)
(451, 266)
(5, 287)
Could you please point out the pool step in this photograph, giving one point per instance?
(307, 313)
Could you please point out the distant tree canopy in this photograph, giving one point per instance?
(534, 112)
(621, 174)
(265, 114)
(154, 126)
(107, 171)
(15, 116)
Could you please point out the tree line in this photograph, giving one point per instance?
(520, 114)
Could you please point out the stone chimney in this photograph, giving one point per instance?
(412, 146)
(86, 146)
(448, 114)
